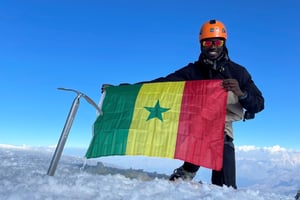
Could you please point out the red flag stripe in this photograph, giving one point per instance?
(200, 138)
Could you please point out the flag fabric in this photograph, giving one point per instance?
(182, 120)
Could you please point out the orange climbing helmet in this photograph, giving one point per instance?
(211, 29)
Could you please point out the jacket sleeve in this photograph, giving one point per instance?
(254, 102)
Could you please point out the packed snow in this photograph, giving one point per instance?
(262, 174)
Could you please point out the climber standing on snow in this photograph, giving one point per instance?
(244, 98)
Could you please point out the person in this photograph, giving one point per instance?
(244, 97)
(243, 94)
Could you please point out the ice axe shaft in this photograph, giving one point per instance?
(64, 135)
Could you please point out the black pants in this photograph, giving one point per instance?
(227, 174)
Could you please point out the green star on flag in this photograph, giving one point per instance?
(156, 111)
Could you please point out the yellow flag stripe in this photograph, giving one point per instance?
(155, 137)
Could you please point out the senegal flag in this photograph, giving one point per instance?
(183, 120)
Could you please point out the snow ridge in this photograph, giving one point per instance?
(23, 176)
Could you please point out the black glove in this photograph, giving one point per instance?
(105, 86)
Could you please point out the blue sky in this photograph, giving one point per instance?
(82, 44)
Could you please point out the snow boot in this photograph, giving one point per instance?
(181, 173)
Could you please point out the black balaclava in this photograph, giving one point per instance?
(217, 64)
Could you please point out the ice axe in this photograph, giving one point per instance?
(67, 127)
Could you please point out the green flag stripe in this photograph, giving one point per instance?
(118, 101)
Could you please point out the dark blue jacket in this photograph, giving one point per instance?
(221, 69)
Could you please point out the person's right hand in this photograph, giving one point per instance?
(105, 86)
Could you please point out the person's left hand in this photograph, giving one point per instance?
(105, 85)
(233, 86)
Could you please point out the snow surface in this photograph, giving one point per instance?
(262, 174)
